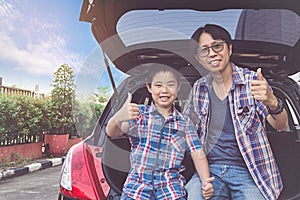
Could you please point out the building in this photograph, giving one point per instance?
(18, 91)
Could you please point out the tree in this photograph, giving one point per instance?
(62, 95)
(102, 95)
(87, 113)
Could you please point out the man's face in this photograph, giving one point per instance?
(164, 88)
(213, 54)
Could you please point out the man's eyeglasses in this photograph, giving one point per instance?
(216, 47)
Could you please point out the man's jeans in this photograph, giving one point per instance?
(231, 182)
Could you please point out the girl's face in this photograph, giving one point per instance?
(164, 88)
(214, 61)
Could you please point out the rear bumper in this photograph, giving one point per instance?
(62, 197)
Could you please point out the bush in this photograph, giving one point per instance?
(22, 119)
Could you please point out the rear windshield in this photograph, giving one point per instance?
(278, 26)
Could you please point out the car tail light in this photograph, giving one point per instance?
(75, 177)
(66, 177)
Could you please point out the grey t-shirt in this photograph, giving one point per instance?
(221, 146)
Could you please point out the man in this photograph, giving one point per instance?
(231, 104)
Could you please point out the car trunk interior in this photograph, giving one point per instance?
(285, 145)
(286, 148)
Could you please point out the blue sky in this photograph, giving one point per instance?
(37, 36)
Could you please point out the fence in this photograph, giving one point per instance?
(9, 139)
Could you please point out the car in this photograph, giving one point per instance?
(135, 35)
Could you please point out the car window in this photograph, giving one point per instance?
(152, 25)
(272, 25)
(93, 90)
(278, 26)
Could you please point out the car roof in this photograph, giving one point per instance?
(104, 16)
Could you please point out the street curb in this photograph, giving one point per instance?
(18, 171)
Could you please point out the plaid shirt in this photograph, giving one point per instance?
(250, 133)
(157, 150)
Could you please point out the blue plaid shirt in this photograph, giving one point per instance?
(250, 132)
(157, 150)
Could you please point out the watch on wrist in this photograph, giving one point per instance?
(278, 110)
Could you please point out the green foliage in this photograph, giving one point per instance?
(102, 95)
(44, 107)
(22, 117)
(24, 161)
(15, 157)
(86, 115)
(8, 117)
(16, 160)
(98, 109)
(63, 93)
(28, 115)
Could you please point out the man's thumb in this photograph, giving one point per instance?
(129, 98)
(259, 74)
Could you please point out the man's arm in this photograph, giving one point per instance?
(261, 91)
(279, 120)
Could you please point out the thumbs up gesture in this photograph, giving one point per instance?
(128, 111)
(260, 90)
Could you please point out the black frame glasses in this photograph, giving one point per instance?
(216, 47)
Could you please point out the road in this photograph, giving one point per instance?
(38, 185)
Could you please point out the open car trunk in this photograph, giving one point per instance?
(278, 60)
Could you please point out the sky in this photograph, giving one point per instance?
(37, 36)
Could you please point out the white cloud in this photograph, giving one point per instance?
(35, 45)
(7, 15)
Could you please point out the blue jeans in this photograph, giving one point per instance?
(125, 197)
(231, 182)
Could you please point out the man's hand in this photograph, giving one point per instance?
(207, 188)
(261, 91)
(128, 111)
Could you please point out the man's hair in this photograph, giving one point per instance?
(156, 68)
(217, 33)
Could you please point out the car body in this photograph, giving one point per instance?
(97, 167)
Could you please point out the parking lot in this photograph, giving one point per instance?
(42, 184)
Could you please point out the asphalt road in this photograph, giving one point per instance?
(38, 185)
